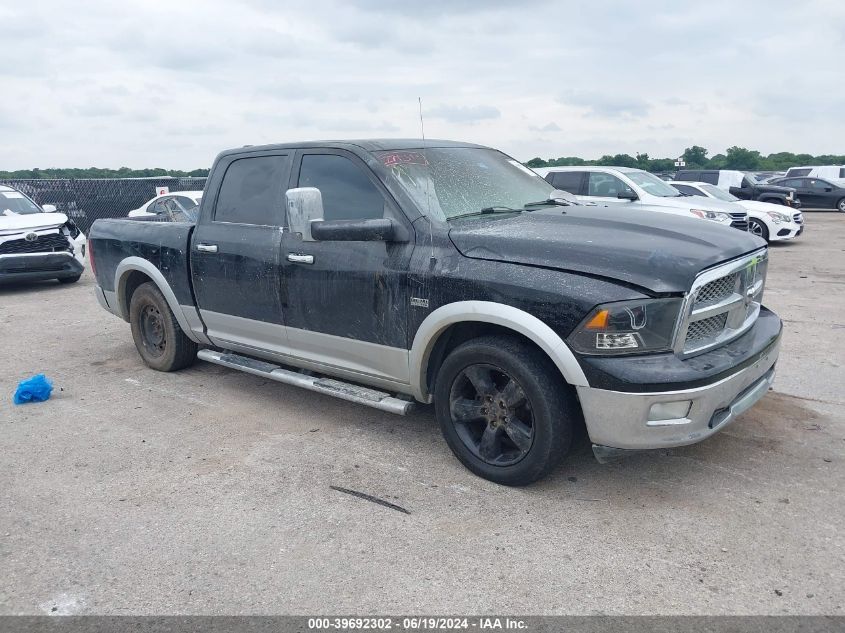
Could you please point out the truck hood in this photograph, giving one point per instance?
(762, 187)
(30, 221)
(656, 251)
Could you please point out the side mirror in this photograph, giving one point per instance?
(49, 208)
(627, 194)
(373, 230)
(305, 206)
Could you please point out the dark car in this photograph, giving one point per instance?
(744, 186)
(448, 273)
(818, 193)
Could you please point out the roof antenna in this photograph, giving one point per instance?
(432, 258)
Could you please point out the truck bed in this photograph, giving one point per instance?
(164, 244)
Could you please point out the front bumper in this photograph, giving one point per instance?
(38, 266)
(626, 420)
(785, 231)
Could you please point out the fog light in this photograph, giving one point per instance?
(666, 411)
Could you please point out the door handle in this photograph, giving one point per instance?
(300, 259)
(207, 248)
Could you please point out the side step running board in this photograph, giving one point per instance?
(328, 386)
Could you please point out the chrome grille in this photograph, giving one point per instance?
(722, 304)
(798, 218)
(739, 221)
(706, 328)
(716, 290)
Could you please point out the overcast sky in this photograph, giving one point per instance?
(169, 84)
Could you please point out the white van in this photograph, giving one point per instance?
(819, 171)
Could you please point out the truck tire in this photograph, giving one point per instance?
(756, 227)
(69, 280)
(160, 341)
(504, 410)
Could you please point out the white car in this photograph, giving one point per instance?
(37, 243)
(638, 187)
(179, 206)
(772, 222)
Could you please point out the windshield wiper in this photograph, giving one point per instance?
(558, 201)
(488, 211)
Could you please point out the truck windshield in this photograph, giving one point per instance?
(450, 182)
(721, 194)
(15, 203)
(652, 184)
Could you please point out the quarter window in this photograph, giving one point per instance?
(251, 191)
(347, 191)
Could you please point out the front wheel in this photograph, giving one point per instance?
(505, 410)
(158, 338)
(757, 227)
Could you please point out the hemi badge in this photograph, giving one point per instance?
(419, 303)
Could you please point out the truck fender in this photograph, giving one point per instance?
(498, 314)
(121, 275)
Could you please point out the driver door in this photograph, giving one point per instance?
(346, 303)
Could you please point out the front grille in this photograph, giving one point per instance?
(717, 290)
(722, 304)
(739, 221)
(798, 218)
(53, 243)
(706, 328)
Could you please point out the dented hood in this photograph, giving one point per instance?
(25, 221)
(660, 252)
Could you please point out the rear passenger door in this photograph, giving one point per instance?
(346, 303)
(235, 254)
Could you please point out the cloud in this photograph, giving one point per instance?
(463, 114)
(551, 126)
(104, 86)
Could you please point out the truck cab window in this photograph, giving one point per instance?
(251, 191)
(566, 181)
(348, 194)
(711, 177)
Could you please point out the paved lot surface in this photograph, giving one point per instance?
(208, 490)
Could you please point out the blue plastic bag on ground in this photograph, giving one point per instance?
(35, 389)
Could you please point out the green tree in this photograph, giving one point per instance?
(741, 158)
(536, 162)
(695, 157)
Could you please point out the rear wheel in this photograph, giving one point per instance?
(841, 205)
(504, 410)
(158, 338)
(757, 227)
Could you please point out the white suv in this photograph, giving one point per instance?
(637, 187)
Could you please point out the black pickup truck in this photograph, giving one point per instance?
(386, 272)
(744, 186)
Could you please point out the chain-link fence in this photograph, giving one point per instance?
(87, 199)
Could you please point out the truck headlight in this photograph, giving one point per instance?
(715, 216)
(627, 327)
(778, 218)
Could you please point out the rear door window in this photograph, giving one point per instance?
(251, 192)
(711, 177)
(566, 181)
